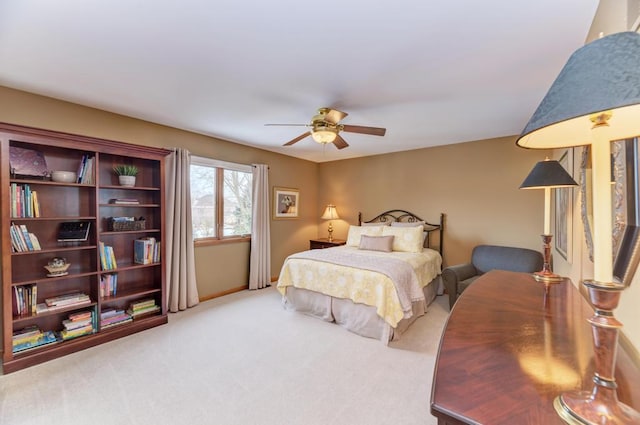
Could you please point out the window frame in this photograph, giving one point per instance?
(220, 167)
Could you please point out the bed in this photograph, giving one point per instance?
(377, 284)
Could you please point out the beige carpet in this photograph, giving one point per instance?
(239, 359)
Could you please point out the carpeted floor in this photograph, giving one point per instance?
(239, 359)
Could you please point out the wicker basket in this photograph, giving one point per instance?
(117, 224)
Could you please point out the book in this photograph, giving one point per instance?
(47, 337)
(124, 201)
(144, 312)
(36, 204)
(65, 299)
(81, 315)
(44, 308)
(146, 250)
(108, 285)
(70, 334)
(27, 162)
(142, 304)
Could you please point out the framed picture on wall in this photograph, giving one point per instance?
(285, 203)
(564, 211)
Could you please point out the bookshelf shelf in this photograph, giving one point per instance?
(125, 295)
(24, 277)
(30, 317)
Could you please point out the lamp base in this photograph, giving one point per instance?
(584, 408)
(546, 275)
(330, 230)
(601, 405)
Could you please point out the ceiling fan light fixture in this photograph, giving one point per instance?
(324, 135)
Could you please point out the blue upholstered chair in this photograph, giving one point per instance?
(485, 258)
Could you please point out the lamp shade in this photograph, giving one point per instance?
(330, 213)
(548, 173)
(598, 77)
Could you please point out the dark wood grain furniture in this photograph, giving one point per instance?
(509, 349)
(325, 243)
(91, 201)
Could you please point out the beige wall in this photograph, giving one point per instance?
(474, 184)
(214, 275)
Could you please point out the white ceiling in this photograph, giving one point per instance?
(431, 72)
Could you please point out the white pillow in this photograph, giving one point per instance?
(406, 239)
(353, 238)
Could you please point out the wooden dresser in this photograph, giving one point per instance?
(505, 354)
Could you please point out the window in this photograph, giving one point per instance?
(220, 199)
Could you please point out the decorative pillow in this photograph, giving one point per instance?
(407, 239)
(377, 223)
(376, 243)
(353, 238)
(407, 223)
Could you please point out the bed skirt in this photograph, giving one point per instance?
(358, 318)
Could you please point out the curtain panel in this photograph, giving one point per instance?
(182, 291)
(260, 261)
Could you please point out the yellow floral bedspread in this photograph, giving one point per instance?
(359, 285)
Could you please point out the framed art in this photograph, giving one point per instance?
(625, 159)
(285, 203)
(564, 211)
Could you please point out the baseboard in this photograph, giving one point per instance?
(223, 293)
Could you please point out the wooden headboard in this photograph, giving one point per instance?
(409, 217)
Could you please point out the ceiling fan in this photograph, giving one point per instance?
(326, 128)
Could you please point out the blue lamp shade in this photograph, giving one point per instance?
(600, 76)
(548, 173)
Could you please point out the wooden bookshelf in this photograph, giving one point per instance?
(90, 201)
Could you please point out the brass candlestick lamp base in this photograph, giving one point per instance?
(330, 238)
(546, 275)
(601, 405)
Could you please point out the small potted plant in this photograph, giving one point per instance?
(126, 174)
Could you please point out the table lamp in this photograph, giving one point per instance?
(595, 100)
(546, 175)
(330, 213)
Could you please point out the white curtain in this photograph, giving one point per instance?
(260, 261)
(179, 259)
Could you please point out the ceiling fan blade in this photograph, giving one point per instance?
(297, 139)
(288, 125)
(334, 116)
(374, 131)
(340, 143)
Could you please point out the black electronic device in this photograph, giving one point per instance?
(74, 231)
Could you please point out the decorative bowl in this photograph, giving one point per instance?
(57, 267)
(64, 176)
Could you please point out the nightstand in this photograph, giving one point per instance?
(324, 243)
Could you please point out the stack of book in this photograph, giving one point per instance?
(22, 240)
(78, 324)
(25, 299)
(63, 301)
(107, 257)
(31, 337)
(143, 308)
(24, 201)
(146, 251)
(112, 317)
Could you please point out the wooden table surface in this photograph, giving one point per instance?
(505, 354)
